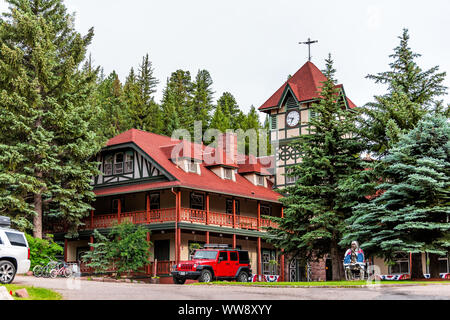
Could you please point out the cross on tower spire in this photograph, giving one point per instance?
(309, 43)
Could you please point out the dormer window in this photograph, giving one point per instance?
(129, 162)
(260, 180)
(108, 168)
(228, 173)
(118, 163)
(192, 166)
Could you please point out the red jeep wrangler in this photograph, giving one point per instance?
(214, 262)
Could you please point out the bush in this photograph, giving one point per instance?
(42, 250)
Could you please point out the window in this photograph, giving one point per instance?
(154, 201)
(289, 178)
(192, 166)
(223, 255)
(228, 173)
(243, 257)
(16, 239)
(269, 265)
(266, 210)
(115, 205)
(229, 206)
(260, 180)
(129, 156)
(273, 122)
(233, 256)
(443, 265)
(107, 170)
(118, 163)
(197, 201)
(401, 263)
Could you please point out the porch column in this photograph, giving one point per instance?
(92, 219)
(282, 255)
(259, 216)
(234, 213)
(259, 257)
(91, 240)
(207, 237)
(207, 209)
(234, 222)
(148, 265)
(66, 242)
(177, 234)
(147, 197)
(119, 209)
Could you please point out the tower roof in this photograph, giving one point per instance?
(305, 85)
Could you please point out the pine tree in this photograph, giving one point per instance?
(45, 153)
(176, 102)
(230, 109)
(202, 98)
(143, 112)
(315, 209)
(412, 93)
(110, 97)
(412, 214)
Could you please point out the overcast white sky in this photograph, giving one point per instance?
(250, 47)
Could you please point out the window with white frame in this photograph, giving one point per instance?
(260, 180)
(108, 166)
(129, 158)
(228, 173)
(290, 179)
(400, 263)
(118, 163)
(192, 166)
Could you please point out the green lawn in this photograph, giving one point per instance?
(35, 293)
(322, 283)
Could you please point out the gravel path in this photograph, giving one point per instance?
(94, 290)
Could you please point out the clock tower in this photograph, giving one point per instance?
(290, 109)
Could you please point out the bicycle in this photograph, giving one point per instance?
(61, 270)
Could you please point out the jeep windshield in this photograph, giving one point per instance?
(202, 254)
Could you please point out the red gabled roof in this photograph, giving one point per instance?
(305, 85)
(158, 148)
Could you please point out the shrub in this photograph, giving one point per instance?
(42, 250)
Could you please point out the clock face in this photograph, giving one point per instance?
(293, 118)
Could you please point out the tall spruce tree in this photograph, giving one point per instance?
(412, 213)
(411, 93)
(143, 112)
(177, 101)
(315, 210)
(230, 109)
(46, 150)
(202, 98)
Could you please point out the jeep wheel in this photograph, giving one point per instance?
(242, 277)
(179, 280)
(205, 276)
(7, 272)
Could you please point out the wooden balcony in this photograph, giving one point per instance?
(102, 221)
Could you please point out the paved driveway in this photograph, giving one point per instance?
(93, 290)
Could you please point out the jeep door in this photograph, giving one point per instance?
(223, 265)
(234, 263)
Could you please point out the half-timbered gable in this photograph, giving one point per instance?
(127, 164)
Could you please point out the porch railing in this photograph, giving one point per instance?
(102, 221)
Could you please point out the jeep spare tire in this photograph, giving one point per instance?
(205, 276)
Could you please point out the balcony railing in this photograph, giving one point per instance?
(102, 221)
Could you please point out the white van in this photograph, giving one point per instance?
(14, 252)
